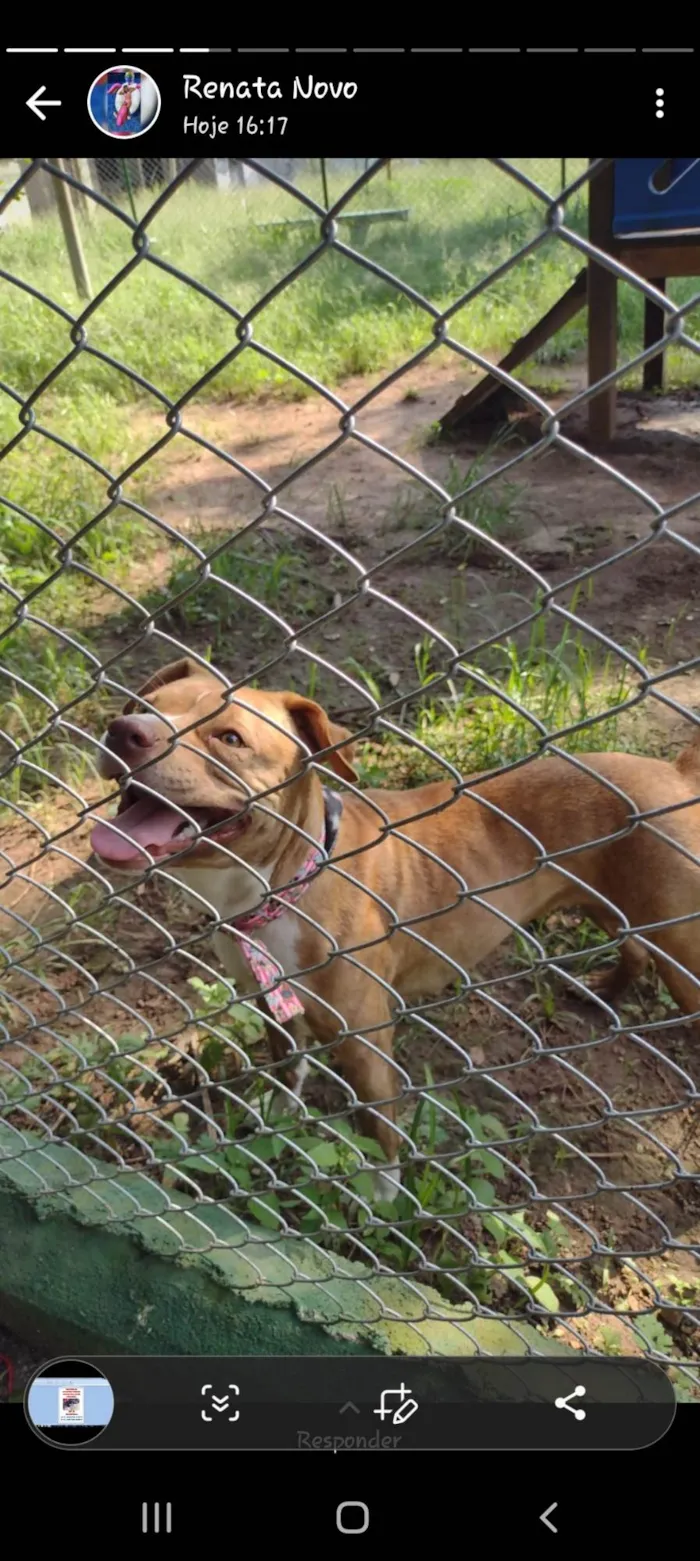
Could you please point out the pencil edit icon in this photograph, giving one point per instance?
(400, 1412)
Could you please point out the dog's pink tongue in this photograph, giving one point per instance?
(145, 823)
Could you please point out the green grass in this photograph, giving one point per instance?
(224, 1141)
(228, 1132)
(60, 674)
(491, 508)
(335, 319)
(274, 576)
(484, 718)
(63, 493)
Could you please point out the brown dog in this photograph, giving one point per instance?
(201, 762)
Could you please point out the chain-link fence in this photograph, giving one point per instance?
(224, 191)
(230, 454)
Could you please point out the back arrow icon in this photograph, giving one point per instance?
(36, 99)
(544, 1517)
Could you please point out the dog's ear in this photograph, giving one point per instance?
(318, 733)
(175, 670)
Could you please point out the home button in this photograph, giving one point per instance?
(352, 1517)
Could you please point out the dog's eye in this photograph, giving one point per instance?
(232, 738)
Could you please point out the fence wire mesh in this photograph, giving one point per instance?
(159, 502)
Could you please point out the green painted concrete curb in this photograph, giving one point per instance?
(119, 1256)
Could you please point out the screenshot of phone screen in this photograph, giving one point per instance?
(350, 773)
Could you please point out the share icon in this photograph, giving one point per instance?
(565, 1403)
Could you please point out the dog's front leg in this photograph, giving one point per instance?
(286, 1042)
(288, 1045)
(366, 1063)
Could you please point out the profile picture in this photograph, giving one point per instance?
(124, 101)
(69, 1402)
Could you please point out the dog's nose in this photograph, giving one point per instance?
(129, 735)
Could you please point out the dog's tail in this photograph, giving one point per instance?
(688, 762)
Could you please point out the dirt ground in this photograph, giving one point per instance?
(568, 515)
(373, 575)
(621, 1159)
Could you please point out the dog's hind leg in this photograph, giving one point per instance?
(675, 933)
(682, 984)
(611, 983)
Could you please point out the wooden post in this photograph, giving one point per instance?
(66, 212)
(602, 308)
(324, 182)
(80, 169)
(491, 390)
(654, 330)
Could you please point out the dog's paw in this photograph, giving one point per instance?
(387, 1183)
(286, 1099)
(611, 982)
(290, 1086)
